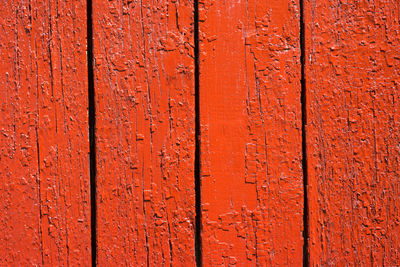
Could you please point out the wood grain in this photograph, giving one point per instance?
(353, 107)
(250, 112)
(144, 82)
(44, 186)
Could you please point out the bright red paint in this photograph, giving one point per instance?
(144, 82)
(353, 107)
(252, 193)
(250, 111)
(44, 184)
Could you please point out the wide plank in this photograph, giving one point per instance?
(44, 161)
(145, 132)
(353, 132)
(251, 145)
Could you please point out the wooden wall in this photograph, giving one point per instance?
(194, 132)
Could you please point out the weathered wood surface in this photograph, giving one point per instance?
(144, 82)
(44, 185)
(250, 111)
(353, 130)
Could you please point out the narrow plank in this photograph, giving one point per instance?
(353, 107)
(44, 187)
(250, 111)
(144, 82)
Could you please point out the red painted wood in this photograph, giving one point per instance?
(251, 145)
(44, 185)
(250, 111)
(144, 82)
(353, 107)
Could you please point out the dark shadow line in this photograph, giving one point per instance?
(197, 161)
(92, 132)
(306, 255)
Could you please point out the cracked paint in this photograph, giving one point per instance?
(352, 74)
(250, 112)
(44, 186)
(144, 81)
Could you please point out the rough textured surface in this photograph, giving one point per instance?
(252, 187)
(353, 107)
(44, 167)
(251, 145)
(144, 81)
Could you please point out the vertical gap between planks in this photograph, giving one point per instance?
(92, 131)
(197, 162)
(303, 136)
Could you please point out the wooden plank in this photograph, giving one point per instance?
(353, 107)
(250, 111)
(44, 185)
(144, 82)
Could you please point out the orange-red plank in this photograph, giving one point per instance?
(250, 112)
(44, 163)
(144, 83)
(353, 131)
